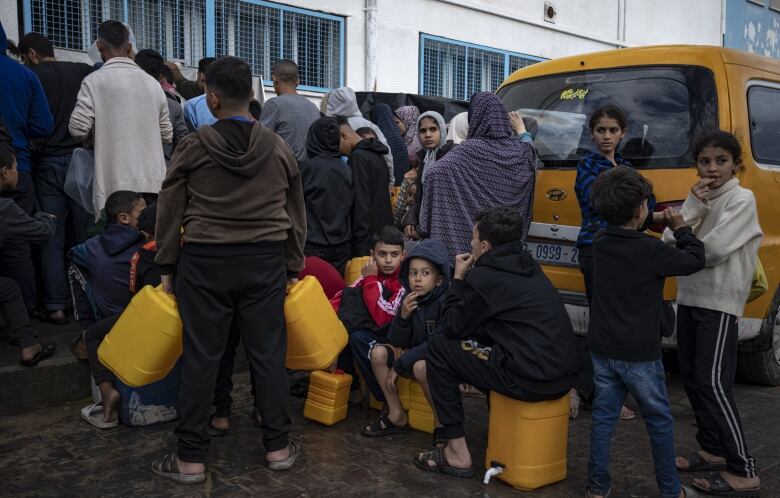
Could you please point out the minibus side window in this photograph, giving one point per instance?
(764, 115)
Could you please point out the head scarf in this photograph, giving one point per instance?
(493, 167)
(408, 115)
(459, 128)
(430, 154)
(382, 116)
(323, 138)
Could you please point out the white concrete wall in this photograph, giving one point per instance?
(10, 19)
(513, 25)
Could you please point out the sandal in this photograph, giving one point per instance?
(168, 466)
(718, 486)
(288, 462)
(437, 456)
(93, 415)
(384, 427)
(626, 413)
(45, 317)
(46, 351)
(697, 463)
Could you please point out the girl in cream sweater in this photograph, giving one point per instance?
(723, 215)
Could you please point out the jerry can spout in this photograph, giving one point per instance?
(496, 469)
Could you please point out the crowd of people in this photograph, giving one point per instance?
(226, 203)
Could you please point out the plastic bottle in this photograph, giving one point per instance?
(328, 396)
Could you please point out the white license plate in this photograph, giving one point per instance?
(553, 254)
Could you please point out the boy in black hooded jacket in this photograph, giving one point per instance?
(504, 329)
(425, 274)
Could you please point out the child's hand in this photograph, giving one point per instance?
(369, 268)
(701, 188)
(673, 218)
(291, 282)
(409, 305)
(463, 263)
(167, 283)
(392, 376)
(410, 232)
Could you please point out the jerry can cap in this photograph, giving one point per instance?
(338, 371)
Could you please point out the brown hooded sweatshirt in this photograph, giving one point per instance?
(231, 183)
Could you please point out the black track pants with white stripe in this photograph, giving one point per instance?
(707, 349)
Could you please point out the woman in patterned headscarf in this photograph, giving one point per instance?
(382, 115)
(494, 166)
(406, 120)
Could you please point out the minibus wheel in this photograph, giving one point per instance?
(761, 365)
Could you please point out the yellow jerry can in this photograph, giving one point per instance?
(328, 396)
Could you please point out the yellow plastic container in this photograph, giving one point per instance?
(145, 342)
(403, 384)
(529, 440)
(420, 412)
(328, 396)
(315, 335)
(353, 270)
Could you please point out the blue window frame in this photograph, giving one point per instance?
(258, 31)
(456, 69)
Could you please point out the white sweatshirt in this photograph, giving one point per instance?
(727, 223)
(126, 113)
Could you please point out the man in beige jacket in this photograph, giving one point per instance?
(124, 112)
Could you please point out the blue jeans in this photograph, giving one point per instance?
(70, 227)
(646, 383)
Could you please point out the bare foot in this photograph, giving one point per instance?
(29, 352)
(278, 455)
(111, 398)
(683, 463)
(190, 467)
(221, 423)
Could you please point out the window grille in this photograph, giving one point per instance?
(454, 69)
(263, 32)
(175, 28)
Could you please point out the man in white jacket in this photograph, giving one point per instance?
(124, 112)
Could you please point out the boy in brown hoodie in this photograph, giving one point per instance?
(236, 190)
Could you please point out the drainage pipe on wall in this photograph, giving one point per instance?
(371, 44)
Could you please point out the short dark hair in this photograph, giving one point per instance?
(37, 42)
(343, 121)
(231, 79)
(204, 63)
(114, 34)
(366, 130)
(499, 225)
(286, 71)
(6, 155)
(255, 109)
(722, 139)
(150, 61)
(608, 111)
(618, 192)
(147, 220)
(121, 201)
(389, 235)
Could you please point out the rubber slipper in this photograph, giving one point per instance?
(384, 427)
(718, 486)
(627, 414)
(288, 462)
(436, 455)
(697, 463)
(46, 351)
(168, 466)
(93, 415)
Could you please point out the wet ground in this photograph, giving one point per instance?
(51, 453)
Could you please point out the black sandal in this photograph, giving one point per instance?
(697, 463)
(46, 351)
(720, 487)
(384, 427)
(436, 455)
(168, 466)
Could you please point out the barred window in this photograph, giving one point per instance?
(258, 31)
(455, 69)
(263, 32)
